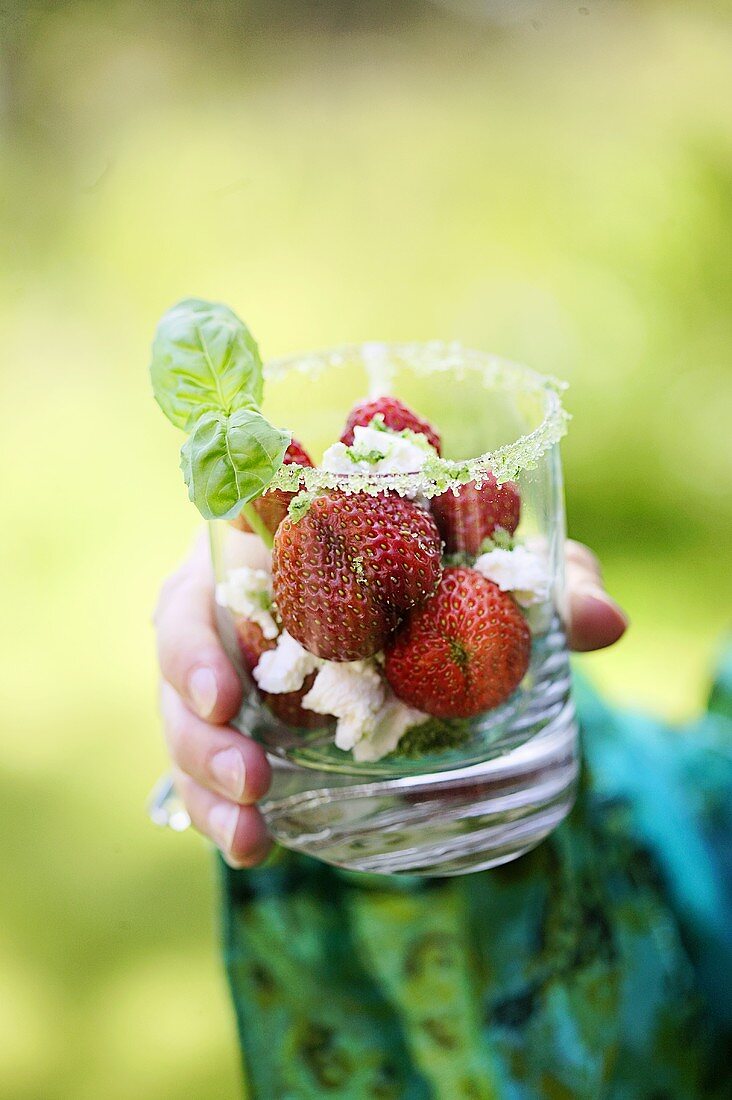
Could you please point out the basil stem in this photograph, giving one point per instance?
(252, 517)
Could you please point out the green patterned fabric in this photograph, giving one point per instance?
(597, 966)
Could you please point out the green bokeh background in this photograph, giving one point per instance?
(551, 182)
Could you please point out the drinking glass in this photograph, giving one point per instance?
(484, 789)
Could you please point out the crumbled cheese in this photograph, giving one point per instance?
(390, 725)
(353, 692)
(371, 720)
(379, 451)
(248, 592)
(286, 667)
(520, 571)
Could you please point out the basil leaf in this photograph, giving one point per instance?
(229, 460)
(204, 357)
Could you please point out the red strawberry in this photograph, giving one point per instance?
(462, 652)
(286, 706)
(396, 416)
(348, 569)
(473, 515)
(252, 642)
(272, 507)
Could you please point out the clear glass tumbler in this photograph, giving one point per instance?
(453, 745)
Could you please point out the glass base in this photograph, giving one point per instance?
(447, 823)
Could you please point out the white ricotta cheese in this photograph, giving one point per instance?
(376, 451)
(371, 720)
(286, 667)
(248, 592)
(520, 571)
(390, 725)
(353, 692)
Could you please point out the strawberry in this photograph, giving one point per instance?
(252, 642)
(473, 515)
(396, 416)
(272, 507)
(462, 652)
(349, 568)
(286, 706)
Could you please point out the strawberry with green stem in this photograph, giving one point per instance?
(462, 652)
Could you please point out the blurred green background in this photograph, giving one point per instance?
(551, 182)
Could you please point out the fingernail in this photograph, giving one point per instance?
(229, 769)
(203, 691)
(222, 820)
(595, 592)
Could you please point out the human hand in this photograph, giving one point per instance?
(218, 773)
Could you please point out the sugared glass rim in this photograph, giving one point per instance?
(380, 362)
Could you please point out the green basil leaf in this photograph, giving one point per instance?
(229, 460)
(204, 357)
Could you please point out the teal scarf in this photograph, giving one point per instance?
(597, 966)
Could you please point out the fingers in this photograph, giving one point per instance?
(216, 757)
(191, 656)
(595, 620)
(218, 774)
(239, 832)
